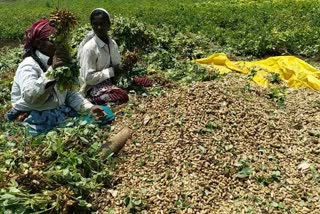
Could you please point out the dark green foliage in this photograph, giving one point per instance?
(10, 58)
(67, 76)
(53, 172)
(259, 28)
(162, 50)
(133, 205)
(274, 78)
(132, 34)
(266, 180)
(278, 95)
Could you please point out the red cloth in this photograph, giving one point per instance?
(119, 96)
(39, 30)
(105, 92)
(143, 81)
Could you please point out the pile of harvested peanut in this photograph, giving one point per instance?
(218, 147)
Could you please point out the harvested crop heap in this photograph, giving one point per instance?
(67, 75)
(219, 147)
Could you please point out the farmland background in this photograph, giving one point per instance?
(203, 142)
(259, 28)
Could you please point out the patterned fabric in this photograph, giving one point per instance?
(39, 30)
(40, 122)
(105, 93)
(143, 81)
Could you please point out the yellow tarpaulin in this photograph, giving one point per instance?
(294, 71)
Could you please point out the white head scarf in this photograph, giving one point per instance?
(90, 34)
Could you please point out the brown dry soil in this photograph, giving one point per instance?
(218, 147)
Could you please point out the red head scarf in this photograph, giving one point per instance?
(39, 30)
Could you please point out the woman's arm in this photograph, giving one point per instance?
(78, 102)
(34, 85)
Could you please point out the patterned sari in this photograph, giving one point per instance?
(106, 93)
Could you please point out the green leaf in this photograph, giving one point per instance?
(228, 147)
(244, 173)
(84, 139)
(65, 171)
(202, 149)
(84, 203)
(14, 190)
(126, 200)
(7, 196)
(137, 202)
(282, 205)
(83, 123)
(274, 204)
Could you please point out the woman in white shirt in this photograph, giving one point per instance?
(100, 60)
(35, 98)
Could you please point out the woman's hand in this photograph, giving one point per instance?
(118, 68)
(61, 57)
(57, 62)
(98, 113)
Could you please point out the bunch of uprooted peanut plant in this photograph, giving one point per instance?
(129, 60)
(67, 75)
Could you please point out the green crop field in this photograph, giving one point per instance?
(259, 28)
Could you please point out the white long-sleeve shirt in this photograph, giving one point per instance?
(31, 92)
(97, 61)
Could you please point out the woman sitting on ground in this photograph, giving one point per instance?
(35, 98)
(100, 62)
